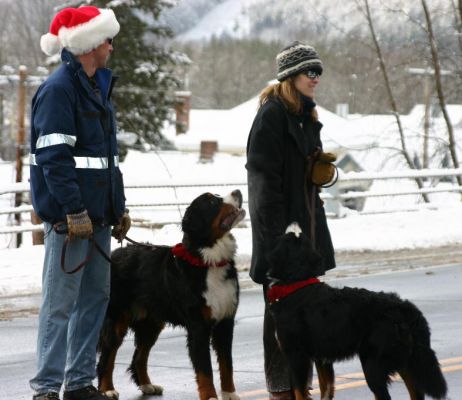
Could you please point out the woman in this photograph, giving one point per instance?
(283, 142)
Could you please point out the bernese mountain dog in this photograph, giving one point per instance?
(192, 285)
(317, 322)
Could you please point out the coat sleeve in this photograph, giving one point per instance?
(55, 130)
(265, 168)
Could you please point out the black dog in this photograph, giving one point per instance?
(317, 322)
(193, 284)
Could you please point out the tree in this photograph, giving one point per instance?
(226, 72)
(439, 88)
(391, 97)
(145, 66)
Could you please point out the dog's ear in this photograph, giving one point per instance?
(293, 258)
(284, 258)
(195, 227)
(310, 259)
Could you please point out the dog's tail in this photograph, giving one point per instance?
(425, 371)
(108, 341)
(424, 368)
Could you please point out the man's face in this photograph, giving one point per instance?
(102, 53)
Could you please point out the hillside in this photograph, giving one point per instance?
(274, 19)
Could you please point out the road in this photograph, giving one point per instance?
(435, 290)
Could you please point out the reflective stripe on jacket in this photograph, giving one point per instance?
(74, 156)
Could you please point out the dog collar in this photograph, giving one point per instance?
(182, 252)
(278, 292)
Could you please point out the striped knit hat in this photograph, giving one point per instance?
(296, 58)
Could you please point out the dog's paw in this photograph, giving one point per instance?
(112, 394)
(154, 390)
(229, 396)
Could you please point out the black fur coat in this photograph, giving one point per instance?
(277, 147)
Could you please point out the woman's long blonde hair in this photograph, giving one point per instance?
(288, 94)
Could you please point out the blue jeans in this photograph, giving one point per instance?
(72, 312)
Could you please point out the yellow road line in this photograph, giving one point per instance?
(447, 366)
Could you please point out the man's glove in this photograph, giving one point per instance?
(120, 231)
(79, 225)
(323, 170)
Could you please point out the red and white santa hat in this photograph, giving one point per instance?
(79, 30)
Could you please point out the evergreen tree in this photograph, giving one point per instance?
(143, 95)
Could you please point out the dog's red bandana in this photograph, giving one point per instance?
(278, 292)
(182, 252)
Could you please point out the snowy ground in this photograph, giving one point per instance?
(20, 269)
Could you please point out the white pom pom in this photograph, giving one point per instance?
(50, 44)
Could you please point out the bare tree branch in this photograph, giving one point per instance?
(458, 24)
(439, 88)
(391, 97)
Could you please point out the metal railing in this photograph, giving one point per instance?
(177, 203)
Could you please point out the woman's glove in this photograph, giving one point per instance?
(327, 157)
(79, 225)
(323, 170)
(120, 231)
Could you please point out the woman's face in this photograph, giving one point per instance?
(306, 85)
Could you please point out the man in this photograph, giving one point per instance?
(77, 190)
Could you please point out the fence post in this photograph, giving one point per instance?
(20, 138)
(37, 236)
(333, 205)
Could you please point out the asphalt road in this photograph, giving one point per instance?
(435, 290)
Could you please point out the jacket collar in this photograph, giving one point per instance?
(295, 128)
(103, 77)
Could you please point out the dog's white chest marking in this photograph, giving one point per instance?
(221, 293)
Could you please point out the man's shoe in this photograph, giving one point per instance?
(46, 396)
(86, 393)
(286, 395)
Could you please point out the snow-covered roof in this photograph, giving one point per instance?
(230, 128)
(373, 140)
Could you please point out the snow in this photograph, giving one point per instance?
(227, 18)
(266, 19)
(21, 269)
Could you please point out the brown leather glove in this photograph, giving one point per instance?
(79, 225)
(323, 170)
(327, 157)
(120, 231)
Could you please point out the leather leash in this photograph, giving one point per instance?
(138, 243)
(62, 229)
(310, 197)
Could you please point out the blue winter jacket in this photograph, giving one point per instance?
(74, 155)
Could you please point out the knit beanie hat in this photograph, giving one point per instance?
(296, 58)
(79, 30)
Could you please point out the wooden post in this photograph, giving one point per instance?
(182, 109)
(37, 236)
(2, 124)
(427, 96)
(20, 138)
(208, 150)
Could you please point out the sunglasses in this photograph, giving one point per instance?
(109, 40)
(312, 74)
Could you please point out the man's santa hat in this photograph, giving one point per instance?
(79, 30)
